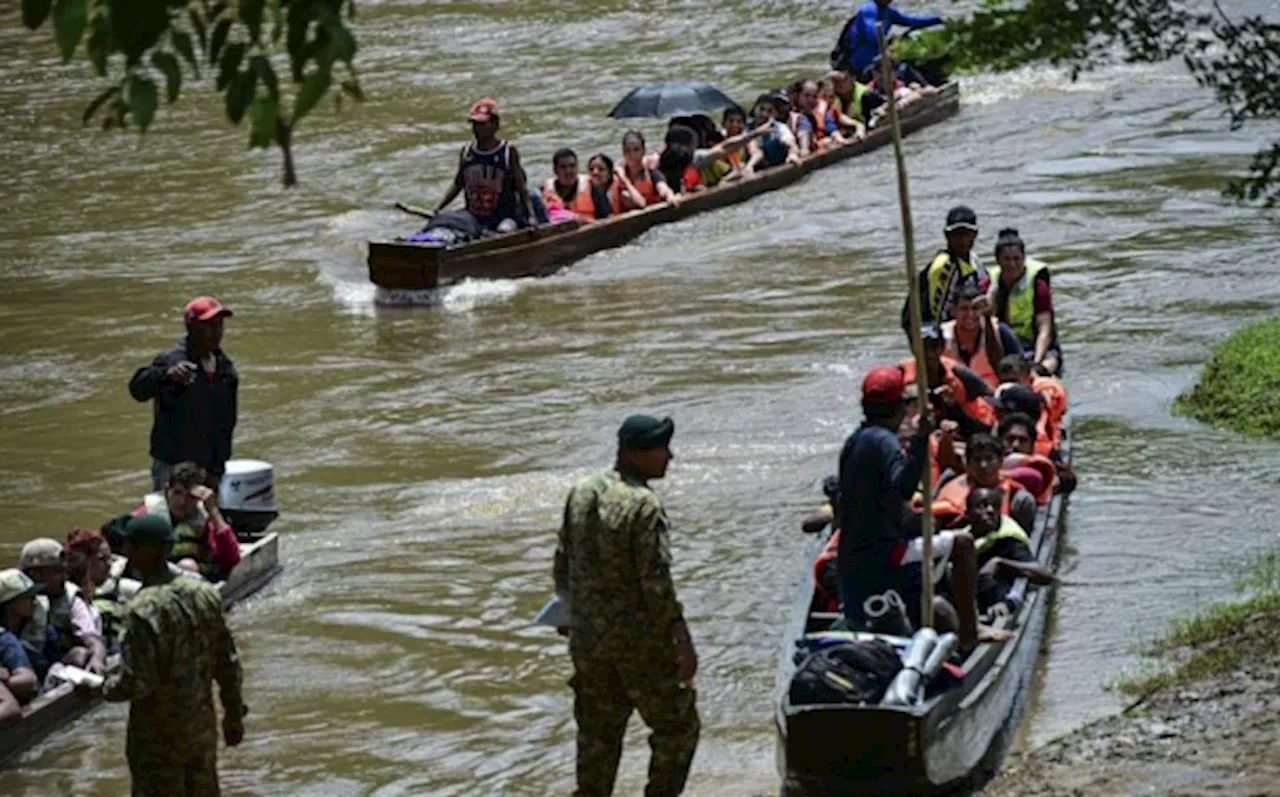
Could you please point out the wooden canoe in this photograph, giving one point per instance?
(951, 740)
(259, 563)
(402, 265)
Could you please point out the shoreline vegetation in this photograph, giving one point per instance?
(1240, 386)
(1205, 710)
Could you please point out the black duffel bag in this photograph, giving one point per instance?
(852, 672)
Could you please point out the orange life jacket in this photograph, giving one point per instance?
(1049, 429)
(1037, 462)
(979, 362)
(691, 179)
(582, 205)
(951, 504)
(644, 184)
(615, 197)
(975, 408)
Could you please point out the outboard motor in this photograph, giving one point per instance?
(247, 496)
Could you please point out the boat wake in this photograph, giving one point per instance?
(989, 88)
(460, 298)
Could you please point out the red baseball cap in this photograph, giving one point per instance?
(484, 109)
(883, 385)
(204, 308)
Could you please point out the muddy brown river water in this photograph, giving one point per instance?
(423, 453)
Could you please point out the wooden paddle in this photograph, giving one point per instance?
(415, 211)
(917, 346)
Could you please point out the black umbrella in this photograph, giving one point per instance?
(670, 99)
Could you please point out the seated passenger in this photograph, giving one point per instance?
(573, 195)
(735, 124)
(807, 127)
(1023, 300)
(1017, 434)
(600, 167)
(983, 459)
(835, 121)
(778, 145)
(1004, 552)
(50, 634)
(955, 392)
(88, 568)
(975, 339)
(1052, 393)
(18, 678)
(640, 186)
(206, 543)
(851, 103)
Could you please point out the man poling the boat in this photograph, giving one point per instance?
(876, 553)
(629, 642)
(858, 48)
(490, 176)
(1024, 301)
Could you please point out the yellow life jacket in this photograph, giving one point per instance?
(191, 541)
(1021, 308)
(1009, 530)
(943, 283)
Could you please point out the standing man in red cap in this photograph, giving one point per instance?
(193, 387)
(490, 176)
(877, 554)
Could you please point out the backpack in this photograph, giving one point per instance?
(853, 672)
(840, 55)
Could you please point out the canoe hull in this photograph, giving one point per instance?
(401, 265)
(953, 740)
(259, 563)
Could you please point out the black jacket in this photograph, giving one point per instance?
(193, 423)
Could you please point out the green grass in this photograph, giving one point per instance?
(1216, 640)
(1240, 386)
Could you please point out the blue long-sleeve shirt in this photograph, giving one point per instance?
(860, 33)
(875, 479)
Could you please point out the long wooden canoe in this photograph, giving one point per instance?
(259, 563)
(402, 265)
(955, 738)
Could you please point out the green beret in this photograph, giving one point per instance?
(150, 528)
(645, 431)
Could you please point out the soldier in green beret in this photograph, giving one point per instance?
(630, 645)
(176, 643)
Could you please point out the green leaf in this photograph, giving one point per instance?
(230, 64)
(167, 64)
(35, 12)
(267, 74)
(98, 103)
(263, 115)
(69, 20)
(299, 18)
(182, 43)
(251, 16)
(197, 24)
(220, 32)
(352, 88)
(342, 42)
(142, 98)
(99, 44)
(314, 86)
(240, 93)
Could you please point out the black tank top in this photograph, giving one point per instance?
(489, 185)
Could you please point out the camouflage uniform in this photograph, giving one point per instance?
(613, 564)
(176, 643)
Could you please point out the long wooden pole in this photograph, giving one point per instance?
(917, 345)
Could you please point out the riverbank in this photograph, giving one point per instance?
(1204, 720)
(1240, 386)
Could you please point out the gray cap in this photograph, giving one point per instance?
(16, 584)
(40, 552)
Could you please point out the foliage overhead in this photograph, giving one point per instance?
(141, 45)
(1238, 58)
